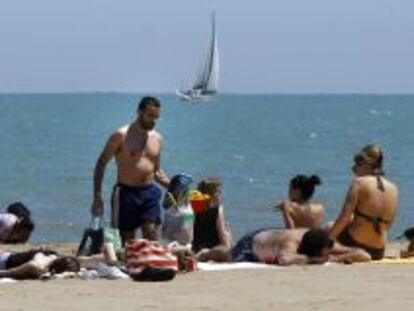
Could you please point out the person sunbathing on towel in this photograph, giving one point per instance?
(287, 247)
(33, 263)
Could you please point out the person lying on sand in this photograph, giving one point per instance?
(33, 263)
(299, 211)
(287, 247)
(370, 206)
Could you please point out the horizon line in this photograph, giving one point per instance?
(223, 93)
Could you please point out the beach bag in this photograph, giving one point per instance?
(150, 261)
(178, 216)
(178, 225)
(177, 192)
(96, 235)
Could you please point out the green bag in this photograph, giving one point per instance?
(112, 235)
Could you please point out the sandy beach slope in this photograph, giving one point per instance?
(355, 287)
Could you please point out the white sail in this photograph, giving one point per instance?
(207, 77)
(213, 78)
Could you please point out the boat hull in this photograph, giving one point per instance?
(189, 96)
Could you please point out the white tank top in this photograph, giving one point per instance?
(7, 223)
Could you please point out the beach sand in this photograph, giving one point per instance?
(333, 287)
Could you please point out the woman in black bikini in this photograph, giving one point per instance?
(370, 206)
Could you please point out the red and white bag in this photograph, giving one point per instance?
(142, 253)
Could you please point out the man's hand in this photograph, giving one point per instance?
(340, 259)
(97, 206)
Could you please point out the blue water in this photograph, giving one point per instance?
(254, 143)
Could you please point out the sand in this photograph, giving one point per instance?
(334, 287)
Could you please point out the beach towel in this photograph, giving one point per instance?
(398, 261)
(209, 266)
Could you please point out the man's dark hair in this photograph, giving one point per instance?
(148, 101)
(314, 241)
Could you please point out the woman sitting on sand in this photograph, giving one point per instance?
(16, 225)
(370, 206)
(299, 211)
(210, 228)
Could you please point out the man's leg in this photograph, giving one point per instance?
(126, 235)
(150, 231)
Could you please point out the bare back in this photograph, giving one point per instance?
(270, 244)
(309, 215)
(372, 201)
(137, 156)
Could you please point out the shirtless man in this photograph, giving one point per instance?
(370, 206)
(287, 247)
(137, 151)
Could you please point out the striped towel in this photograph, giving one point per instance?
(142, 253)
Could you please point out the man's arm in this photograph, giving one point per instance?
(344, 254)
(160, 176)
(347, 212)
(106, 155)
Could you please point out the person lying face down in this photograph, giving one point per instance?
(287, 247)
(32, 264)
(299, 211)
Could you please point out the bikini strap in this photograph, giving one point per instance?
(376, 221)
(380, 182)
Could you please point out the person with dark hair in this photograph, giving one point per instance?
(33, 263)
(16, 225)
(299, 211)
(136, 148)
(287, 247)
(210, 227)
(370, 206)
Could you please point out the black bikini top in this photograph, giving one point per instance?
(376, 221)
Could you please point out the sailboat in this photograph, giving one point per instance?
(205, 85)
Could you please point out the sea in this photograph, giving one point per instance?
(254, 143)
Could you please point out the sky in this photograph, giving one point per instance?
(266, 46)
